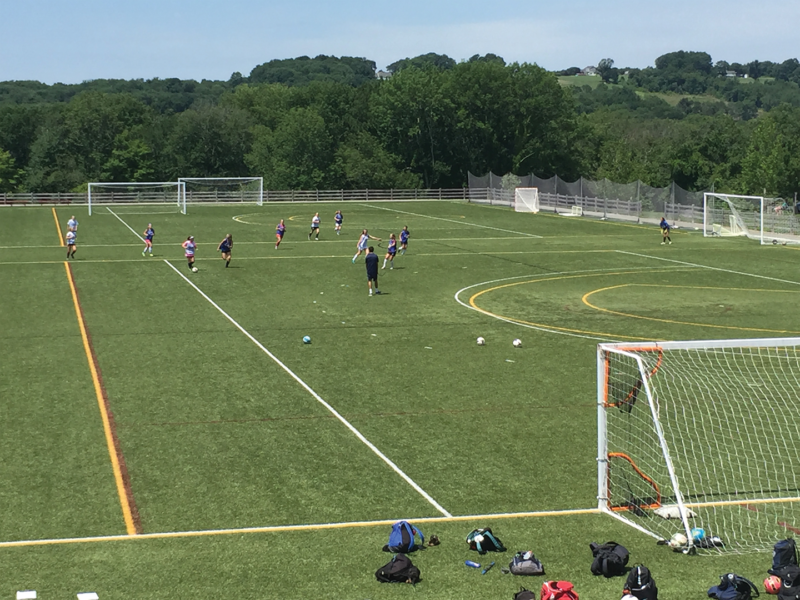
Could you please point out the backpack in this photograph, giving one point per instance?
(733, 587)
(402, 538)
(609, 559)
(398, 570)
(784, 553)
(790, 583)
(524, 594)
(525, 563)
(558, 590)
(483, 540)
(640, 584)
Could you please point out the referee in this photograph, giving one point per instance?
(372, 270)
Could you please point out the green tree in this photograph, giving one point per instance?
(9, 174)
(361, 162)
(772, 163)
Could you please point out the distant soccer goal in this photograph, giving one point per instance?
(700, 439)
(223, 189)
(165, 193)
(526, 200)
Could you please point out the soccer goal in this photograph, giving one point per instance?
(169, 193)
(701, 435)
(224, 189)
(526, 200)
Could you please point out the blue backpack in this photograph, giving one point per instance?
(402, 538)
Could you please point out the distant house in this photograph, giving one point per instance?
(730, 73)
(590, 71)
(382, 74)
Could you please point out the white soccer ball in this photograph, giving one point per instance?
(678, 541)
(517, 343)
(194, 269)
(306, 339)
(481, 341)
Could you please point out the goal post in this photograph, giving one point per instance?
(526, 199)
(130, 193)
(701, 434)
(224, 189)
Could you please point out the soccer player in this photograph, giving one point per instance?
(371, 261)
(71, 247)
(390, 252)
(665, 231)
(337, 219)
(149, 234)
(188, 248)
(72, 224)
(363, 241)
(225, 246)
(404, 235)
(314, 226)
(279, 231)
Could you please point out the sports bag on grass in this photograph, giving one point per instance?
(402, 538)
(790, 583)
(398, 570)
(558, 590)
(609, 559)
(784, 553)
(640, 584)
(524, 594)
(733, 587)
(525, 563)
(483, 540)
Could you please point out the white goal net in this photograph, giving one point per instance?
(768, 220)
(702, 435)
(169, 193)
(224, 189)
(526, 200)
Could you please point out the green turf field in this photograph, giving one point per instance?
(222, 419)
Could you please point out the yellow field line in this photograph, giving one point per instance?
(58, 228)
(123, 497)
(284, 528)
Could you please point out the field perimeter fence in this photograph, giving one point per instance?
(634, 201)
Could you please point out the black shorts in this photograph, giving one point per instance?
(372, 276)
(225, 250)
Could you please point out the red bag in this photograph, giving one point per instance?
(558, 590)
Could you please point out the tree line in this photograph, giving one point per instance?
(328, 123)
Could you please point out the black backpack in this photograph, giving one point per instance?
(483, 540)
(525, 563)
(784, 553)
(790, 582)
(398, 570)
(733, 587)
(609, 559)
(524, 594)
(640, 583)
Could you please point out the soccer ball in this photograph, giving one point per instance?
(678, 541)
(698, 533)
(517, 343)
(774, 242)
(481, 341)
(772, 584)
(194, 269)
(306, 340)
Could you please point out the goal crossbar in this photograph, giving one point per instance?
(223, 189)
(151, 192)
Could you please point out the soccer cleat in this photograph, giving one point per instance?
(662, 243)
(377, 292)
(670, 243)
(142, 252)
(354, 261)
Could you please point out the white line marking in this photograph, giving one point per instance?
(681, 262)
(133, 231)
(316, 396)
(454, 221)
(304, 385)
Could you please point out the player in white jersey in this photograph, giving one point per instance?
(72, 224)
(71, 246)
(363, 243)
(188, 248)
(314, 227)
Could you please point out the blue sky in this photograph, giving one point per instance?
(56, 41)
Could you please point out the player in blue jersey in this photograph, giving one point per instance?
(149, 234)
(71, 243)
(188, 248)
(391, 250)
(404, 235)
(225, 247)
(665, 231)
(279, 232)
(314, 227)
(337, 219)
(363, 242)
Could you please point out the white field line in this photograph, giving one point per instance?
(308, 388)
(698, 265)
(454, 221)
(541, 275)
(133, 231)
(308, 527)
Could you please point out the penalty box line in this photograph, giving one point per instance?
(290, 528)
(306, 387)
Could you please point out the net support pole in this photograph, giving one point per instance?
(89, 199)
(761, 225)
(602, 432)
